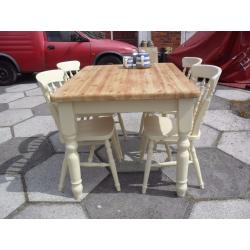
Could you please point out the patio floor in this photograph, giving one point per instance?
(31, 156)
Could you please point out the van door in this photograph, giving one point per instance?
(66, 46)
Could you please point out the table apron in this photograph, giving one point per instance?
(100, 107)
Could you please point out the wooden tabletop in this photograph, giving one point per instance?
(113, 82)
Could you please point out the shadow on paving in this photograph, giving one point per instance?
(26, 78)
(132, 163)
(160, 201)
(19, 155)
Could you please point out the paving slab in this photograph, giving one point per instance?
(3, 106)
(27, 102)
(208, 137)
(225, 120)
(11, 193)
(230, 209)
(219, 103)
(221, 86)
(5, 134)
(132, 162)
(34, 92)
(237, 95)
(35, 126)
(11, 117)
(51, 211)
(236, 144)
(131, 121)
(224, 176)
(41, 109)
(2, 89)
(21, 87)
(18, 155)
(42, 181)
(10, 97)
(159, 202)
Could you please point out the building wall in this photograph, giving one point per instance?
(124, 36)
(163, 39)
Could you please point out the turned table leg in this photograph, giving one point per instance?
(68, 129)
(185, 117)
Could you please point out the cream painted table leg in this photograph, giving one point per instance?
(185, 117)
(68, 128)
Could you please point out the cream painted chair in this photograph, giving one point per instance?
(71, 68)
(164, 130)
(187, 63)
(99, 130)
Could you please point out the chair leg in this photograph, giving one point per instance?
(115, 146)
(190, 154)
(142, 123)
(91, 153)
(143, 146)
(147, 166)
(122, 125)
(118, 143)
(169, 152)
(196, 165)
(63, 175)
(112, 165)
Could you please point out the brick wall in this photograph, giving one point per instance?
(163, 39)
(107, 34)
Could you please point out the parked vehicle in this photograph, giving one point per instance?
(35, 51)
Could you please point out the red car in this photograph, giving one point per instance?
(34, 51)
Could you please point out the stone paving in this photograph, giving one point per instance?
(31, 156)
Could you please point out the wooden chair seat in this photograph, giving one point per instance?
(98, 129)
(157, 128)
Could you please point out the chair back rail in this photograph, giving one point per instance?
(69, 67)
(206, 77)
(188, 62)
(49, 81)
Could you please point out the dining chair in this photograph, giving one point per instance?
(164, 130)
(187, 63)
(71, 68)
(99, 130)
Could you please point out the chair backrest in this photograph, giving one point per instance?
(208, 76)
(188, 62)
(70, 67)
(49, 81)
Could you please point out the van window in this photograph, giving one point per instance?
(60, 36)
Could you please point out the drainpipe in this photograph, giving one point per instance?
(111, 35)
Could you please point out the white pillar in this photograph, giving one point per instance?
(185, 35)
(144, 35)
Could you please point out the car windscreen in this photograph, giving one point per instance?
(95, 34)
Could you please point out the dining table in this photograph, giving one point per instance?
(101, 89)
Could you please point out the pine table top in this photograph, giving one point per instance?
(114, 82)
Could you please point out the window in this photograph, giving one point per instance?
(60, 36)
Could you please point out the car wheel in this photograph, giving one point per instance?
(8, 73)
(109, 59)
